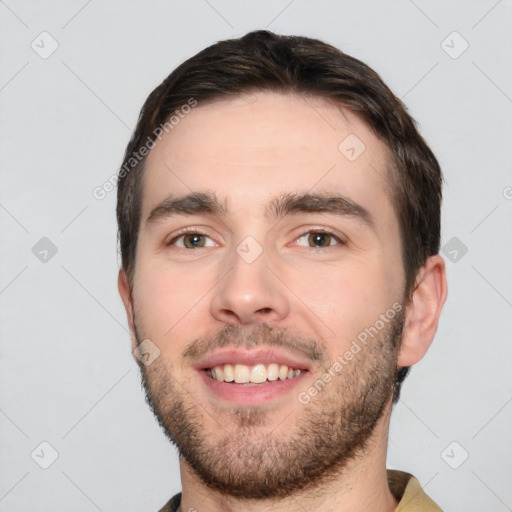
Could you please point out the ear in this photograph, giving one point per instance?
(423, 311)
(126, 296)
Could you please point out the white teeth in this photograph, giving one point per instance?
(229, 376)
(258, 374)
(219, 374)
(273, 371)
(283, 372)
(243, 374)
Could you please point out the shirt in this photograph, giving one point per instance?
(405, 488)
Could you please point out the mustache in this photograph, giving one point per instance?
(252, 336)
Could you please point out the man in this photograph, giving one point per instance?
(279, 228)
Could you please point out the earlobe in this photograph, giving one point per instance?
(423, 311)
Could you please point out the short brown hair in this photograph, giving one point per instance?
(262, 60)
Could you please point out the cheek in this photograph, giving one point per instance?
(169, 300)
(344, 300)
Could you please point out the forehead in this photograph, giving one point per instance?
(261, 144)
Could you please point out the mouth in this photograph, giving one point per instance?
(249, 377)
(258, 374)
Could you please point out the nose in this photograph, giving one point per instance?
(250, 293)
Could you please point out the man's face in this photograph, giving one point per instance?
(298, 258)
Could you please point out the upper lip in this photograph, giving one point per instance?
(251, 357)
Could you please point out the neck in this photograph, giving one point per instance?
(361, 484)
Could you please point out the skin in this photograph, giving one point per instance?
(250, 150)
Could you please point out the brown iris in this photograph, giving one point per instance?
(194, 240)
(319, 239)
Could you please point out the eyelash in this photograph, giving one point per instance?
(183, 232)
(195, 231)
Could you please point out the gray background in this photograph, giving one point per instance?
(67, 377)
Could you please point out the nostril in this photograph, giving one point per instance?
(264, 311)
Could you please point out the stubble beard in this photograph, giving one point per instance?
(258, 458)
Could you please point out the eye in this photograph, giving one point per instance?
(318, 239)
(191, 240)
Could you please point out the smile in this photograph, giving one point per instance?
(256, 374)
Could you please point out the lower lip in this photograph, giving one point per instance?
(251, 394)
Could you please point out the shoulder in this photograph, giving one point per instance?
(409, 493)
(172, 505)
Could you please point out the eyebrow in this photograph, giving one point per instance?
(208, 203)
(194, 203)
